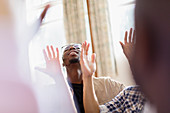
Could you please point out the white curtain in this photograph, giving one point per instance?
(102, 38)
(74, 21)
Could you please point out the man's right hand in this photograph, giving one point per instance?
(53, 67)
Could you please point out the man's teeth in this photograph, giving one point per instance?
(73, 53)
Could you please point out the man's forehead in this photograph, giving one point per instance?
(72, 44)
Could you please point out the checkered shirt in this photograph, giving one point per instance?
(130, 100)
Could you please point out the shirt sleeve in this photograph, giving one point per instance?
(117, 85)
(129, 100)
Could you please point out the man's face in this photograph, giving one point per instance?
(71, 54)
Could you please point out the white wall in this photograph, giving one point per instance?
(122, 19)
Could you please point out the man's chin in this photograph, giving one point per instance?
(73, 61)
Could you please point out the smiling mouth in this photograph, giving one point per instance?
(73, 53)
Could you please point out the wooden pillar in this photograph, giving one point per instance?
(91, 32)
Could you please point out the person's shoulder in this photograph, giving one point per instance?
(133, 88)
(102, 79)
(107, 80)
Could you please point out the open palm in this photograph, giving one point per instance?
(88, 66)
(53, 67)
(128, 47)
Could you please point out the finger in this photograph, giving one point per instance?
(52, 49)
(85, 43)
(83, 48)
(82, 52)
(87, 48)
(121, 44)
(45, 55)
(44, 12)
(130, 36)
(85, 51)
(57, 50)
(49, 53)
(93, 58)
(125, 38)
(134, 34)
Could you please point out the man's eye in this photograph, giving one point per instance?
(65, 50)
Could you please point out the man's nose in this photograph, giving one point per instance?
(72, 48)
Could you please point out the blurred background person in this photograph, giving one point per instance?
(151, 58)
(17, 95)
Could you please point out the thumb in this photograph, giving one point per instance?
(121, 44)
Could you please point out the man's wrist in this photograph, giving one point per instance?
(87, 80)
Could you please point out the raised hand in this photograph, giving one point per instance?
(53, 67)
(88, 66)
(128, 47)
(33, 29)
(44, 12)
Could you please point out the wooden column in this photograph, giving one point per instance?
(91, 32)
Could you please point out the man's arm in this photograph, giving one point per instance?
(53, 69)
(89, 99)
(34, 28)
(88, 68)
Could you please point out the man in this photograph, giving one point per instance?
(130, 99)
(105, 87)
